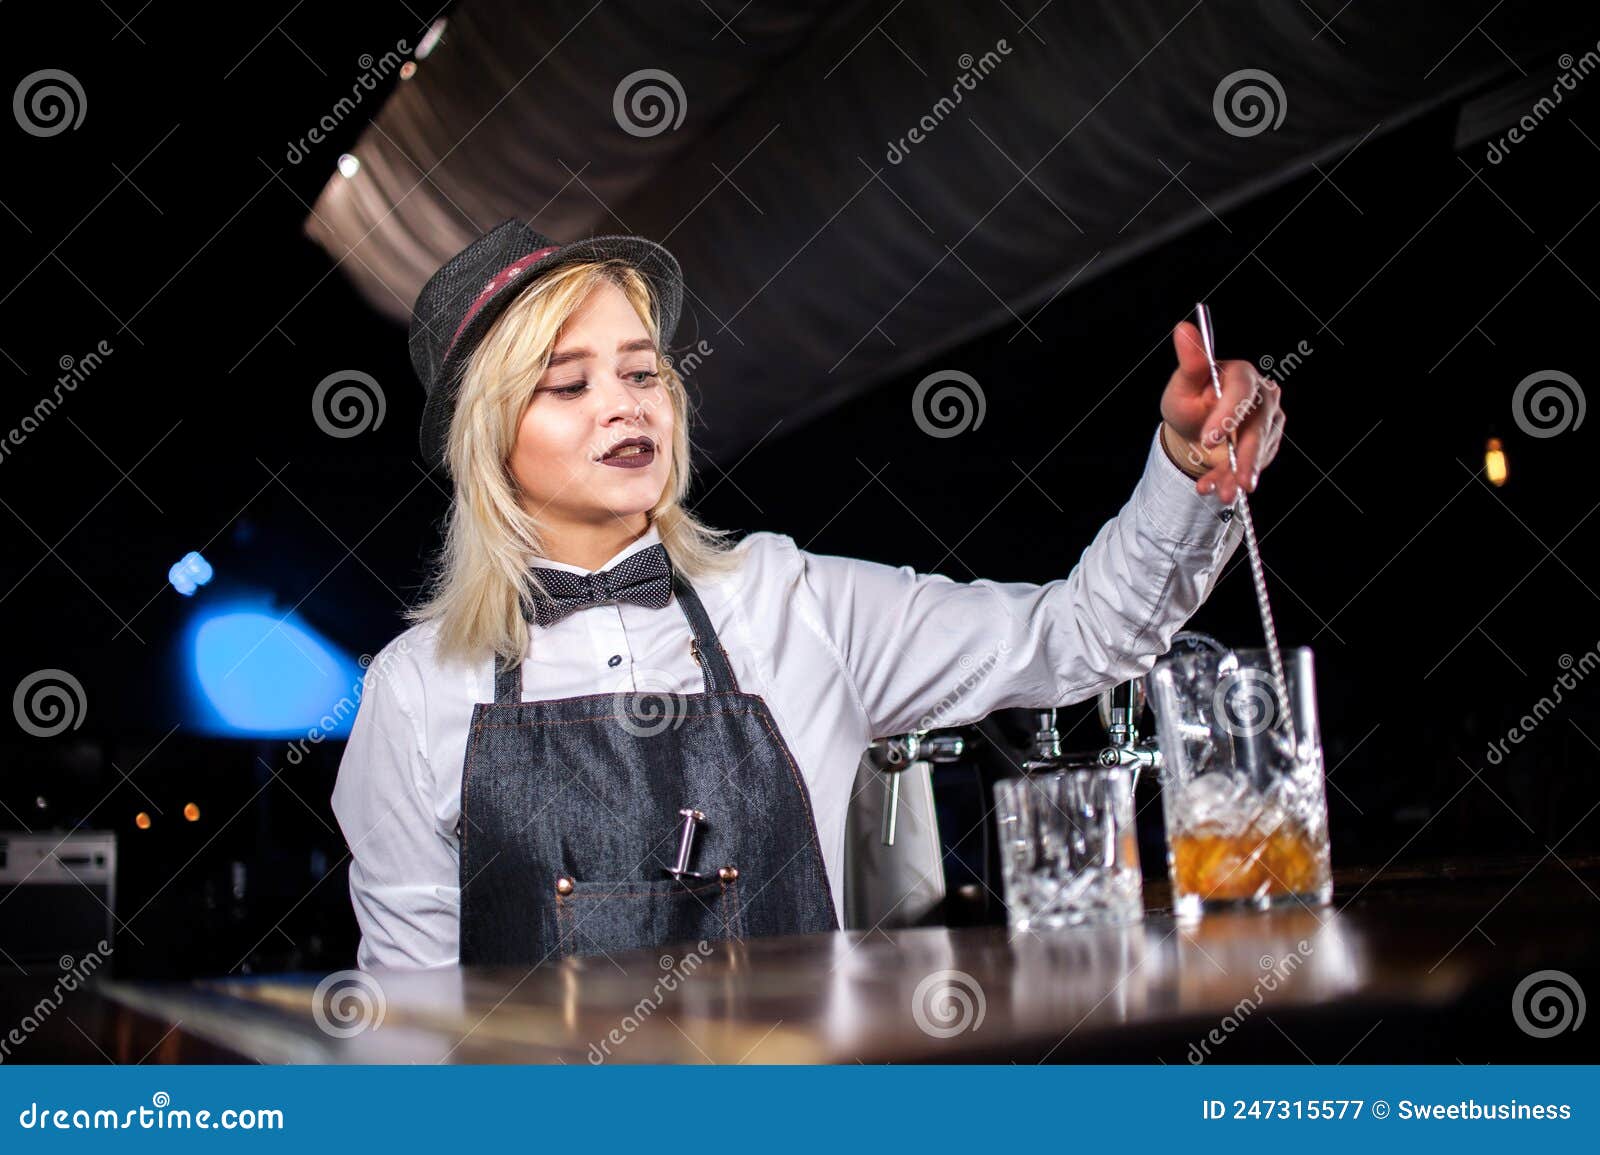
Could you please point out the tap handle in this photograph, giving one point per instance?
(1120, 708)
(891, 807)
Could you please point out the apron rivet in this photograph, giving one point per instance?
(563, 885)
(728, 873)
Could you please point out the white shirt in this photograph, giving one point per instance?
(842, 650)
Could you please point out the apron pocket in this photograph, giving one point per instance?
(598, 917)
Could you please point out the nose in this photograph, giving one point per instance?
(619, 402)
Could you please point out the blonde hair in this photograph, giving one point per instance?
(482, 577)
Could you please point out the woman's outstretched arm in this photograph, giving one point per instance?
(921, 651)
(924, 651)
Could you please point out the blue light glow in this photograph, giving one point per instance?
(189, 573)
(265, 674)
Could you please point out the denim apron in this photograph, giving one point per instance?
(571, 818)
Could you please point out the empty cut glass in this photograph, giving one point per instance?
(1068, 853)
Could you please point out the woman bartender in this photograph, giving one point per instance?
(610, 727)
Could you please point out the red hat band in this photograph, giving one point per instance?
(501, 279)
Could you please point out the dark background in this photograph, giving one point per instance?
(1426, 281)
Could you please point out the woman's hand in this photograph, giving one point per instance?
(1196, 425)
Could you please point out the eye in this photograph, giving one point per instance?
(570, 390)
(642, 376)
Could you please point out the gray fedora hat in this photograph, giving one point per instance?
(464, 298)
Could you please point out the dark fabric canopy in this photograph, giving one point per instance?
(853, 188)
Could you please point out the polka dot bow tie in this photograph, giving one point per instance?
(643, 578)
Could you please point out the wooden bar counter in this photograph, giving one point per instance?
(1408, 965)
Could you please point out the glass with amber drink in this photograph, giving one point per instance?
(1241, 781)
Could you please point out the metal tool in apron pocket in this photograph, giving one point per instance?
(665, 910)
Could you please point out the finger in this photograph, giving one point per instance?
(1211, 479)
(1227, 485)
(1273, 438)
(1193, 365)
(1271, 398)
(1249, 441)
(1246, 452)
(1221, 480)
(1240, 393)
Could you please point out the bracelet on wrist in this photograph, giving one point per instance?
(1173, 457)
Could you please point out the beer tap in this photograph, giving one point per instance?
(1122, 706)
(1120, 709)
(901, 753)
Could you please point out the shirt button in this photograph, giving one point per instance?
(616, 660)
